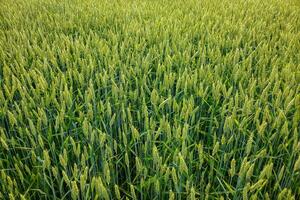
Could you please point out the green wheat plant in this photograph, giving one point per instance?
(149, 99)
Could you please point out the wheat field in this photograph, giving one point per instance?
(149, 99)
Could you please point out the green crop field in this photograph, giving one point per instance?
(149, 99)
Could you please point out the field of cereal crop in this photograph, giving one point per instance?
(149, 99)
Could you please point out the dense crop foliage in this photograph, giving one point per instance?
(196, 99)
